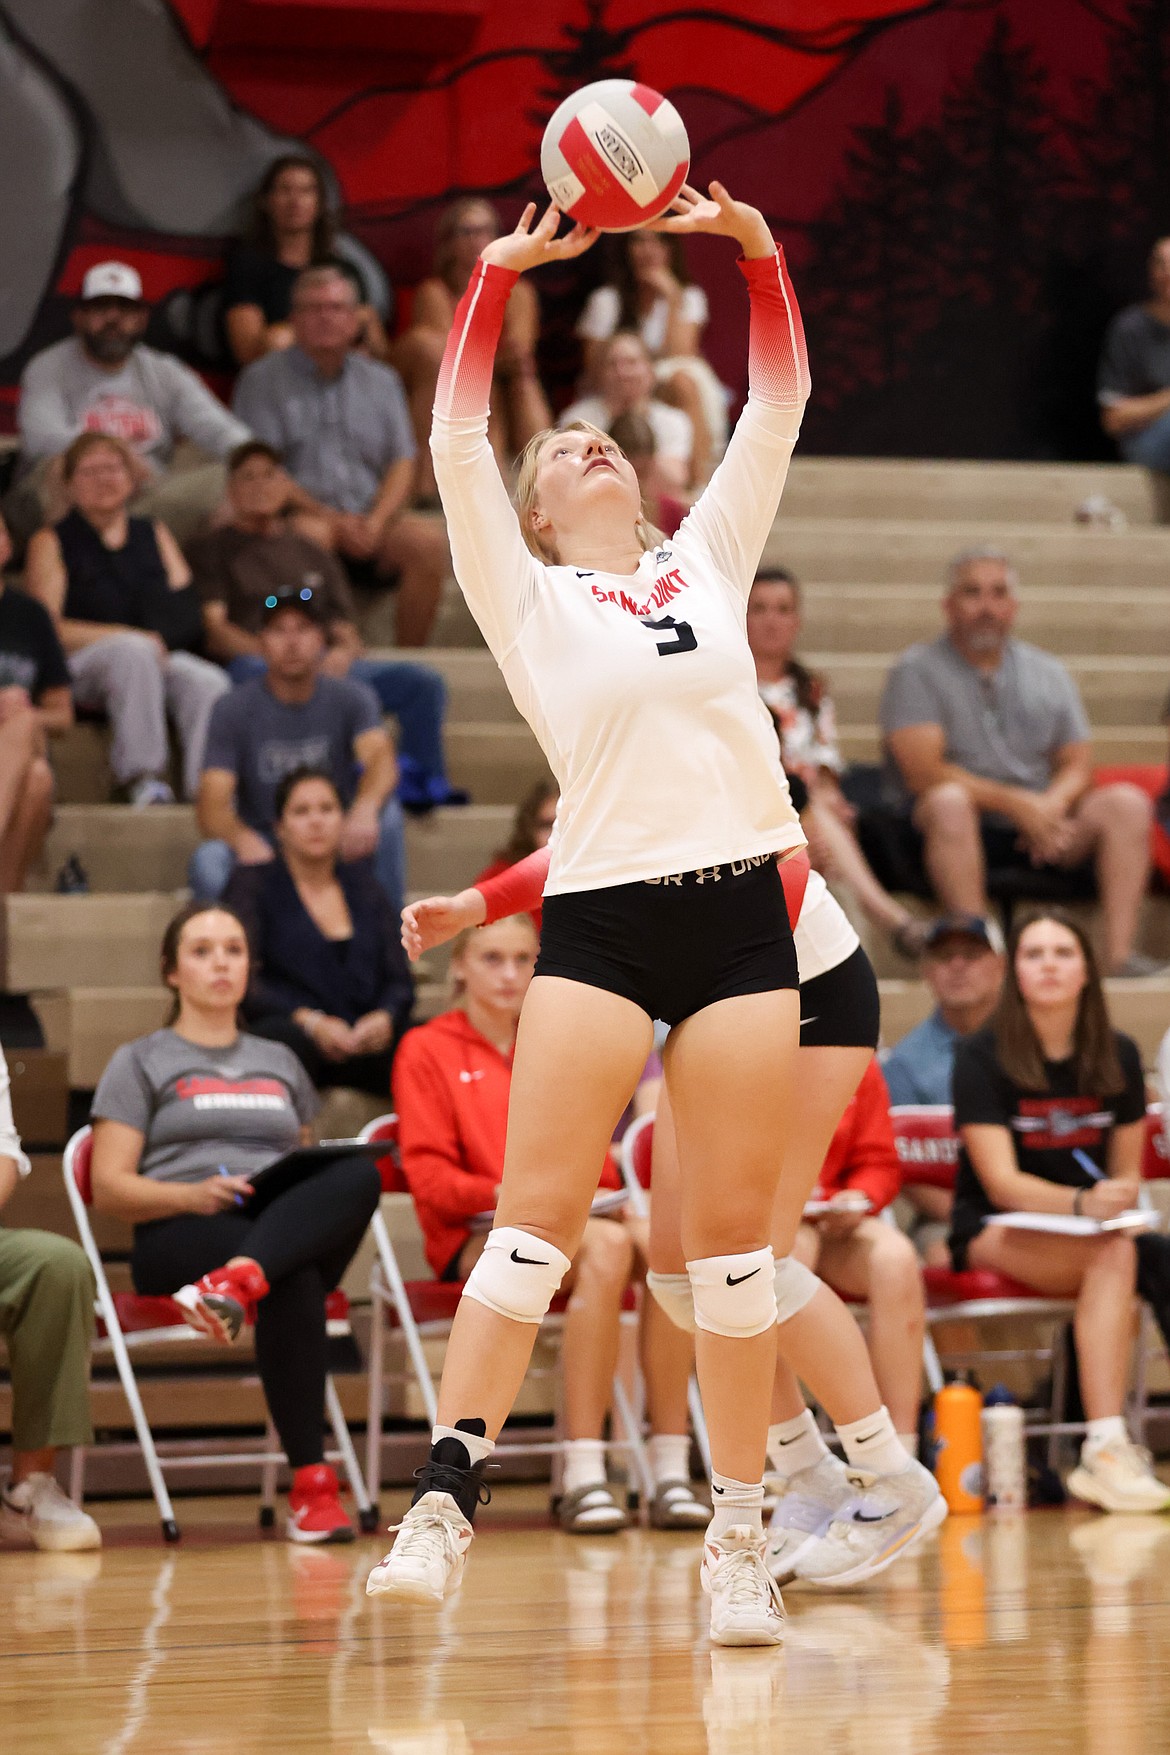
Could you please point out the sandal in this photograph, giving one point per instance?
(591, 1511)
(676, 1506)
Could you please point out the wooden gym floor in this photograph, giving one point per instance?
(1009, 1635)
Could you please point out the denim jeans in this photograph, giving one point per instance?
(1151, 446)
(213, 862)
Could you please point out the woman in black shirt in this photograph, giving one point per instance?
(1050, 1108)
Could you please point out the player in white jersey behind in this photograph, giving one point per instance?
(628, 656)
(836, 1523)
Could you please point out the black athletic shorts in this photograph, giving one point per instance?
(675, 944)
(841, 1009)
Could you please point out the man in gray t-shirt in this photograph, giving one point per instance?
(1133, 379)
(340, 421)
(988, 758)
(104, 379)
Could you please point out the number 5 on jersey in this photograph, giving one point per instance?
(682, 636)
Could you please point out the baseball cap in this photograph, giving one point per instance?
(112, 280)
(985, 932)
(302, 597)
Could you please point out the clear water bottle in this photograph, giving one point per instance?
(1005, 1457)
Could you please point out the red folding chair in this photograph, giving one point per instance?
(127, 1322)
(928, 1148)
(424, 1309)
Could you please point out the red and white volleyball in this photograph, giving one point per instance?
(615, 155)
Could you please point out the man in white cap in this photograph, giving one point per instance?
(104, 379)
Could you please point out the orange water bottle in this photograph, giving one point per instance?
(958, 1438)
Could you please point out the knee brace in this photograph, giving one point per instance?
(517, 1275)
(734, 1295)
(795, 1285)
(673, 1293)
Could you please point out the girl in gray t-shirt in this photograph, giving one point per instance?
(182, 1118)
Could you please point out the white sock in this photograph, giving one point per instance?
(584, 1464)
(478, 1449)
(909, 1443)
(873, 1444)
(735, 1502)
(670, 1456)
(1098, 1433)
(795, 1444)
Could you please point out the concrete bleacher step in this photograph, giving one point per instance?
(124, 850)
(1062, 619)
(85, 941)
(916, 552)
(1117, 689)
(1000, 493)
(476, 688)
(1112, 744)
(496, 763)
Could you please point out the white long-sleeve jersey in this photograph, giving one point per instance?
(640, 688)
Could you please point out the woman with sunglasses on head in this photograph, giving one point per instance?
(1050, 1106)
(628, 657)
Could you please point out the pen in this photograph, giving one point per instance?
(222, 1170)
(1086, 1163)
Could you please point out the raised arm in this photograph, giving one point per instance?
(733, 516)
(496, 573)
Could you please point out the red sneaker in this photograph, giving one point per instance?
(220, 1303)
(315, 1511)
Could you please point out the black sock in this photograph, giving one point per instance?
(449, 1469)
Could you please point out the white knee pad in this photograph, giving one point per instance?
(673, 1293)
(517, 1274)
(795, 1285)
(735, 1295)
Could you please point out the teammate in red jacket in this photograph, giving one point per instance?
(862, 1255)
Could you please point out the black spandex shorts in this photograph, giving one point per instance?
(841, 1009)
(676, 944)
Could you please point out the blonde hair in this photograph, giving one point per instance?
(84, 443)
(649, 536)
(462, 940)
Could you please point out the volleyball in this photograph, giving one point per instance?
(615, 155)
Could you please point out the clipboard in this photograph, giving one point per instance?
(305, 1161)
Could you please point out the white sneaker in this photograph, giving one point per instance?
(150, 790)
(888, 1517)
(425, 1565)
(1119, 1477)
(745, 1600)
(807, 1504)
(38, 1512)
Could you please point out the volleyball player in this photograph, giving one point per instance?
(628, 657)
(836, 1523)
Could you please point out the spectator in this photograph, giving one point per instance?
(293, 717)
(103, 379)
(862, 1257)
(176, 1139)
(624, 379)
(518, 407)
(806, 725)
(1133, 380)
(34, 700)
(988, 762)
(451, 1085)
(118, 590)
(533, 824)
(962, 964)
(651, 293)
(262, 549)
(1050, 1108)
(46, 1318)
(635, 435)
(292, 229)
(329, 975)
(341, 422)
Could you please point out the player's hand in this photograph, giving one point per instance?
(436, 919)
(531, 245)
(718, 214)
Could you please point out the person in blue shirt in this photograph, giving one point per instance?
(962, 964)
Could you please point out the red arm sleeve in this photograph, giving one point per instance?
(517, 890)
(465, 376)
(871, 1164)
(428, 1142)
